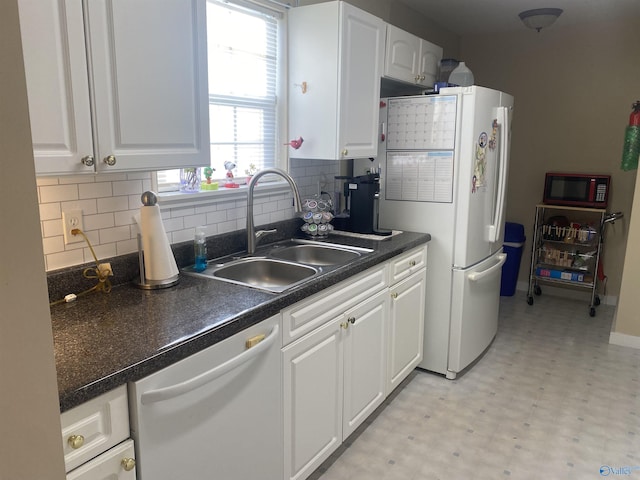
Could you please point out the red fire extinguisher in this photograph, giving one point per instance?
(631, 148)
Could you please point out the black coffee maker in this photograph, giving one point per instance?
(363, 193)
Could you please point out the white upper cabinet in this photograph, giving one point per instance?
(116, 85)
(410, 59)
(55, 59)
(336, 56)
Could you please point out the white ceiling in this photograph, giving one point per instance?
(468, 17)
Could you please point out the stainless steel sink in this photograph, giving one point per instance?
(258, 272)
(281, 266)
(313, 254)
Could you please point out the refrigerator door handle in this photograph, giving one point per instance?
(477, 276)
(503, 121)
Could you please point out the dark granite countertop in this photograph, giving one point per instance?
(102, 340)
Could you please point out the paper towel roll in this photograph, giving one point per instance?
(159, 262)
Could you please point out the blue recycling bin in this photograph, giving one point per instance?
(513, 244)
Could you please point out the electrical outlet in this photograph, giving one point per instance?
(72, 219)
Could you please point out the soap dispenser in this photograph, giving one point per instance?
(200, 250)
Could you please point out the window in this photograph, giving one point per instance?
(243, 56)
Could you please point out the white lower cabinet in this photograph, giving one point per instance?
(95, 438)
(334, 378)
(313, 392)
(345, 349)
(365, 354)
(335, 375)
(407, 280)
(406, 327)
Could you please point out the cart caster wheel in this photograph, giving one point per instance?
(592, 312)
(596, 301)
(530, 300)
(537, 290)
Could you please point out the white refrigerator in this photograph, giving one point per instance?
(444, 161)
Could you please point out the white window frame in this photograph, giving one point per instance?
(175, 197)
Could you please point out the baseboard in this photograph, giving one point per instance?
(572, 293)
(624, 340)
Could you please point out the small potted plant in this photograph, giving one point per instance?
(250, 172)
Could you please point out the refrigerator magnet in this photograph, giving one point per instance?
(480, 163)
(494, 134)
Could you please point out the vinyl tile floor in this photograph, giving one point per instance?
(549, 399)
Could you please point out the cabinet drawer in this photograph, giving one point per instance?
(406, 264)
(116, 464)
(94, 427)
(308, 314)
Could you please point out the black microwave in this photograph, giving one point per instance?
(576, 189)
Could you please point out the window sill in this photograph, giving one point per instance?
(178, 199)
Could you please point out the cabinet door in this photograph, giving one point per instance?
(94, 426)
(313, 392)
(335, 61)
(430, 56)
(149, 83)
(55, 63)
(406, 327)
(365, 360)
(361, 64)
(402, 55)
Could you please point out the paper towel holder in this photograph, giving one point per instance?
(147, 284)
(149, 199)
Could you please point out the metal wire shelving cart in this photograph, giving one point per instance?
(566, 249)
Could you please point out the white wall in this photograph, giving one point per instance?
(30, 445)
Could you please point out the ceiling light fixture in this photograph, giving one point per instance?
(540, 18)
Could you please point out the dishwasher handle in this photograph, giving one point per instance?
(476, 276)
(166, 393)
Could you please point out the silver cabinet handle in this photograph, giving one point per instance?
(110, 160)
(88, 161)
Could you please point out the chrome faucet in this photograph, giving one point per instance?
(252, 236)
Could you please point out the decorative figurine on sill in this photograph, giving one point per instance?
(229, 166)
(250, 172)
(208, 184)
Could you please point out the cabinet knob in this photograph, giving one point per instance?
(75, 441)
(345, 152)
(412, 263)
(88, 161)
(351, 320)
(394, 295)
(110, 160)
(344, 325)
(128, 464)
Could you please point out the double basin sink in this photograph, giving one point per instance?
(281, 266)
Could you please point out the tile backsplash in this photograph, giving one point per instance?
(109, 202)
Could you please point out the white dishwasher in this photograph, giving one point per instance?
(213, 415)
